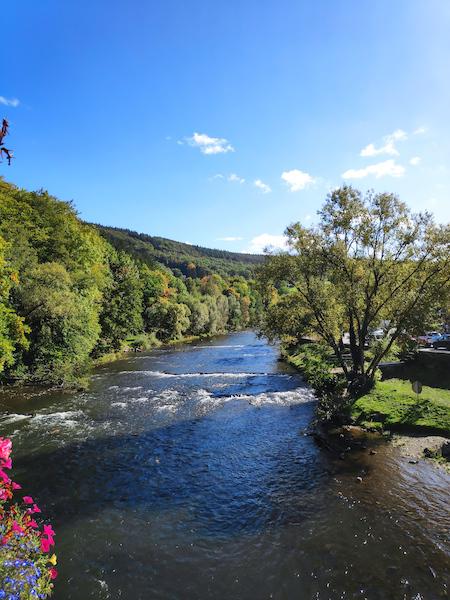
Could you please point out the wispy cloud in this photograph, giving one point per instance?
(414, 161)
(231, 177)
(229, 238)
(235, 178)
(209, 145)
(420, 130)
(266, 189)
(14, 102)
(297, 180)
(386, 168)
(267, 241)
(389, 144)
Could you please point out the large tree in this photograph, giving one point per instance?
(368, 263)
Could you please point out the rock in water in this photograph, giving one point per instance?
(445, 450)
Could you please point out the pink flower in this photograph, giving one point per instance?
(3, 494)
(16, 486)
(17, 528)
(45, 545)
(36, 509)
(32, 524)
(28, 500)
(4, 476)
(53, 573)
(48, 530)
(5, 448)
(7, 463)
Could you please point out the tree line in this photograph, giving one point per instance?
(67, 296)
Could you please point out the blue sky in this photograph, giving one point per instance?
(219, 123)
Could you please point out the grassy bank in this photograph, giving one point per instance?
(393, 405)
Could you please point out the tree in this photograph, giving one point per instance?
(3, 150)
(63, 322)
(369, 262)
(12, 329)
(121, 313)
(170, 320)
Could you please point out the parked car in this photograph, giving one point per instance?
(443, 343)
(429, 338)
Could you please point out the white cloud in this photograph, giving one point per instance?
(420, 130)
(267, 241)
(229, 238)
(209, 145)
(262, 186)
(388, 148)
(236, 178)
(415, 160)
(9, 101)
(297, 180)
(397, 136)
(386, 168)
(231, 177)
(389, 144)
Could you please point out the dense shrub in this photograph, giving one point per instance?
(315, 362)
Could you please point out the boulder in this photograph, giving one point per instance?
(445, 450)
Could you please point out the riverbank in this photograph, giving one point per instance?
(418, 425)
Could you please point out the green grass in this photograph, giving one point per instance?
(394, 405)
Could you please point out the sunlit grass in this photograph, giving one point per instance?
(394, 405)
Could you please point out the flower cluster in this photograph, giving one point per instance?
(26, 567)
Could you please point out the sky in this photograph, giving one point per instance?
(219, 123)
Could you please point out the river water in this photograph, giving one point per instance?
(186, 473)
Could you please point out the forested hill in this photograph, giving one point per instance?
(182, 259)
(68, 295)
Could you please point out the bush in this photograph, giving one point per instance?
(26, 569)
(316, 364)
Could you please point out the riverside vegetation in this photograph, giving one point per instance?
(369, 263)
(68, 296)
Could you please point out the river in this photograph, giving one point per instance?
(186, 473)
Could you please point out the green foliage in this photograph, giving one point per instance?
(316, 364)
(121, 313)
(63, 322)
(393, 405)
(12, 328)
(59, 272)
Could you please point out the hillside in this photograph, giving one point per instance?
(193, 261)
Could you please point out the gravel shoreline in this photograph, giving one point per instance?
(413, 447)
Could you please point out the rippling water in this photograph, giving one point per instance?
(185, 473)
